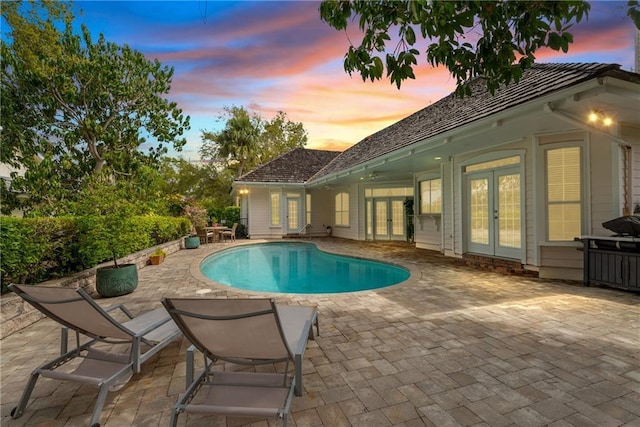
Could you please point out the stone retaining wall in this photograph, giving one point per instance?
(16, 314)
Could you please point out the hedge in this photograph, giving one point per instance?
(38, 249)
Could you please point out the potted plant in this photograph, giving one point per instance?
(107, 204)
(408, 209)
(198, 217)
(157, 257)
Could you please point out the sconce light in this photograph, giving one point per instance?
(243, 191)
(598, 116)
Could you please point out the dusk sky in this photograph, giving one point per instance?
(274, 55)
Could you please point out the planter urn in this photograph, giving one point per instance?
(156, 259)
(192, 242)
(114, 282)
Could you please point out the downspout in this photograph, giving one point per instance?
(624, 146)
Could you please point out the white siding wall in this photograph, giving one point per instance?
(260, 208)
(427, 232)
(560, 263)
(605, 189)
(322, 211)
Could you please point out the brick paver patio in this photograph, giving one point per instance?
(452, 346)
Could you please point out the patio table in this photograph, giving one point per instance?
(217, 230)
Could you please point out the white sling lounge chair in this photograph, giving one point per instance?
(242, 331)
(74, 309)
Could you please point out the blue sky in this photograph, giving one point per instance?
(275, 55)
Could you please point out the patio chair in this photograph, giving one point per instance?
(231, 234)
(244, 331)
(145, 335)
(205, 235)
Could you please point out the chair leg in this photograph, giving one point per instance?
(173, 421)
(97, 408)
(26, 394)
(298, 375)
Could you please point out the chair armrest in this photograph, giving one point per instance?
(122, 308)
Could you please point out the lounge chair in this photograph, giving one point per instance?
(146, 334)
(242, 331)
(231, 234)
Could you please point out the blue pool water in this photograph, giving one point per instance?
(299, 268)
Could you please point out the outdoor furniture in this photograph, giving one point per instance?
(305, 231)
(206, 235)
(216, 230)
(231, 234)
(146, 334)
(244, 331)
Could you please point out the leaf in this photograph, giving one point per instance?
(410, 36)
(554, 41)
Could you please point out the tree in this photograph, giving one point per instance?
(268, 139)
(236, 142)
(73, 107)
(495, 40)
(279, 136)
(205, 183)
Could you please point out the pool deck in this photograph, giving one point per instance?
(451, 346)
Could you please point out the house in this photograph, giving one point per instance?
(512, 176)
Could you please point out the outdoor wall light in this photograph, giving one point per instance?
(243, 191)
(598, 116)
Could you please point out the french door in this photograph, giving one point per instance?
(293, 214)
(494, 213)
(386, 218)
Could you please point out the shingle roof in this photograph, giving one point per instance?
(451, 112)
(293, 167)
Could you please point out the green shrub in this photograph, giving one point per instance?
(38, 249)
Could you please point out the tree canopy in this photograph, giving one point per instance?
(496, 40)
(248, 140)
(73, 107)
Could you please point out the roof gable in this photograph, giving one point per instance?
(293, 167)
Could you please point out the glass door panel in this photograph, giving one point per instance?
(381, 209)
(509, 211)
(479, 205)
(509, 216)
(293, 215)
(397, 219)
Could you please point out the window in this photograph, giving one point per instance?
(342, 209)
(275, 209)
(431, 196)
(493, 164)
(308, 209)
(563, 191)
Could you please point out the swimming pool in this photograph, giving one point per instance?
(296, 267)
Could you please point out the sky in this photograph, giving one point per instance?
(271, 56)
